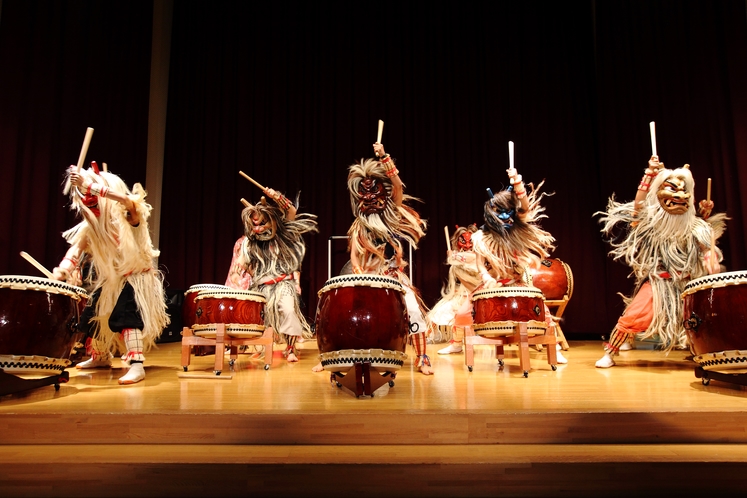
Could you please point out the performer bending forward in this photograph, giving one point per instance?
(666, 246)
(128, 295)
(272, 252)
(512, 241)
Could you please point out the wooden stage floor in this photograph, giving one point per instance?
(647, 424)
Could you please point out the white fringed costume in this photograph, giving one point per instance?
(124, 274)
(274, 263)
(664, 251)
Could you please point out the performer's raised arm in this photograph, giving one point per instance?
(654, 166)
(88, 187)
(518, 184)
(282, 201)
(391, 171)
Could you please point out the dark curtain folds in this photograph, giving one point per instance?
(66, 66)
(291, 94)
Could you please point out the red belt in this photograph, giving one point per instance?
(282, 277)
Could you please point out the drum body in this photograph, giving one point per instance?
(189, 308)
(554, 278)
(715, 317)
(38, 319)
(496, 311)
(242, 311)
(362, 318)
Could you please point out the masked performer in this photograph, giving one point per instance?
(383, 222)
(272, 253)
(128, 296)
(511, 241)
(456, 295)
(666, 245)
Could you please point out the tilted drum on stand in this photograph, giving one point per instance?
(715, 318)
(510, 315)
(362, 328)
(38, 329)
(231, 318)
(555, 279)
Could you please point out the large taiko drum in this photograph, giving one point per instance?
(362, 318)
(189, 309)
(38, 324)
(554, 278)
(496, 311)
(242, 311)
(715, 319)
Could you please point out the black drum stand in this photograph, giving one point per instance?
(10, 384)
(362, 379)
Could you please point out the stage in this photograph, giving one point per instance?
(645, 426)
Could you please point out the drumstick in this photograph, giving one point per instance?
(38, 265)
(251, 180)
(84, 149)
(448, 239)
(652, 126)
(708, 191)
(381, 132)
(82, 157)
(245, 202)
(106, 168)
(510, 155)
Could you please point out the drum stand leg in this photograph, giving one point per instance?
(519, 337)
(358, 380)
(10, 384)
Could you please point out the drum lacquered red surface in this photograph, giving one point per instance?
(230, 306)
(362, 318)
(715, 318)
(38, 319)
(554, 278)
(189, 308)
(495, 311)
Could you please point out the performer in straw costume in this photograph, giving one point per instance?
(272, 252)
(666, 245)
(456, 294)
(511, 241)
(383, 222)
(128, 296)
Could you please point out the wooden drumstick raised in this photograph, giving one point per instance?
(510, 155)
(652, 127)
(38, 265)
(245, 202)
(81, 157)
(252, 180)
(708, 191)
(381, 132)
(448, 239)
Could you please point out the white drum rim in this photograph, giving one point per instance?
(45, 284)
(387, 359)
(365, 280)
(240, 295)
(199, 287)
(233, 330)
(508, 291)
(723, 361)
(507, 328)
(715, 281)
(32, 364)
